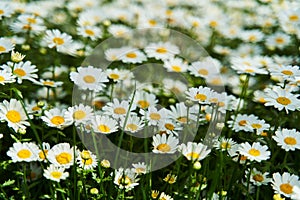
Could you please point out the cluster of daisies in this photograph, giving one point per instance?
(244, 99)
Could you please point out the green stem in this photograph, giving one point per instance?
(257, 193)
(25, 185)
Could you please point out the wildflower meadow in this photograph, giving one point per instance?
(150, 99)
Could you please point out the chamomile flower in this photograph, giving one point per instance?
(259, 125)
(205, 68)
(170, 178)
(133, 124)
(258, 178)
(242, 122)
(254, 152)
(89, 78)
(287, 72)
(62, 155)
(289, 140)
(55, 173)
(125, 179)
(55, 117)
(281, 99)
(104, 124)
(118, 75)
(252, 36)
(14, 114)
(278, 40)
(164, 196)
(169, 127)
(6, 45)
(144, 99)
(175, 87)
(22, 70)
(164, 145)
(180, 113)
(5, 10)
(28, 23)
(43, 153)
(26, 152)
(225, 144)
(140, 168)
(296, 193)
(154, 116)
(175, 65)
(284, 183)
(118, 109)
(86, 160)
(132, 55)
(194, 151)
(200, 95)
(161, 50)
(49, 83)
(247, 66)
(91, 32)
(80, 114)
(119, 31)
(6, 77)
(114, 54)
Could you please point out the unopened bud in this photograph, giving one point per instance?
(17, 57)
(94, 191)
(105, 163)
(197, 165)
(22, 131)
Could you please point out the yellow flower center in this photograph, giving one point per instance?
(252, 38)
(87, 161)
(225, 145)
(283, 100)
(57, 120)
(203, 72)
(64, 158)
(36, 108)
(290, 141)
(31, 20)
(114, 76)
(293, 18)
(279, 40)
(195, 24)
(79, 114)
(132, 127)
(58, 41)
(152, 22)
(2, 49)
(27, 27)
(164, 147)
(131, 55)
(182, 119)
(287, 72)
(143, 104)
(258, 178)
(155, 116)
(2, 79)
(56, 174)
(24, 153)
(176, 68)
(242, 123)
(249, 70)
(13, 116)
(286, 188)
(140, 170)
(43, 154)
(89, 79)
(256, 126)
(161, 50)
(213, 23)
(120, 111)
(193, 155)
(1, 12)
(103, 128)
(20, 72)
(200, 97)
(261, 100)
(89, 32)
(169, 126)
(124, 180)
(48, 83)
(254, 152)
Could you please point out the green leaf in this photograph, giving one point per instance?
(8, 183)
(17, 92)
(60, 190)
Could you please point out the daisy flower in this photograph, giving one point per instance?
(284, 184)
(118, 75)
(164, 145)
(80, 114)
(133, 124)
(16, 56)
(114, 54)
(91, 32)
(282, 99)
(180, 113)
(132, 55)
(206, 68)
(119, 31)
(61, 41)
(164, 196)
(194, 151)
(247, 66)
(6, 77)
(170, 178)
(55, 117)
(6, 45)
(118, 109)
(242, 122)
(22, 70)
(14, 114)
(176, 87)
(5, 10)
(225, 144)
(49, 83)
(89, 78)
(104, 124)
(55, 173)
(144, 99)
(86, 160)
(43, 153)
(259, 125)
(200, 95)
(161, 50)
(258, 178)
(26, 152)
(252, 36)
(62, 155)
(28, 23)
(154, 116)
(168, 126)
(296, 193)
(125, 179)
(287, 72)
(140, 168)
(289, 140)
(176, 65)
(278, 40)
(254, 152)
